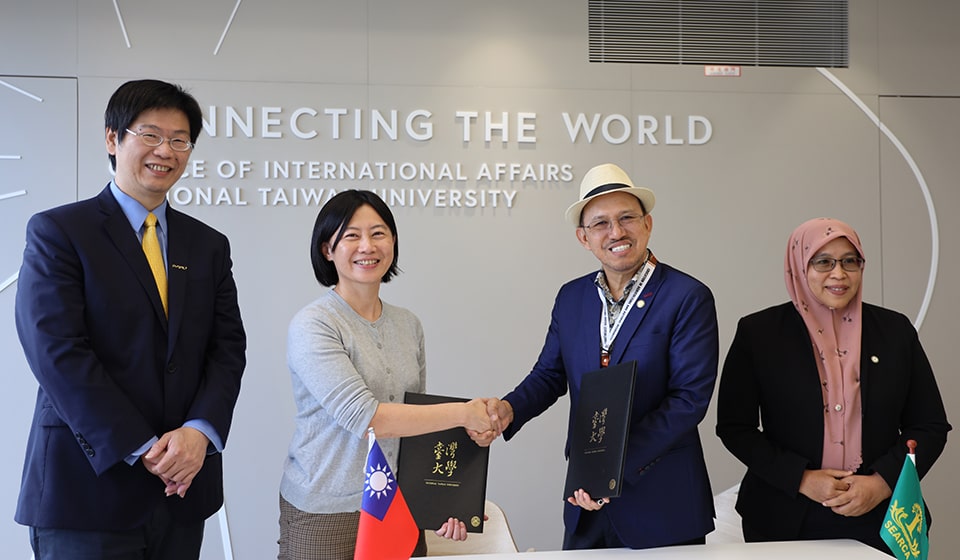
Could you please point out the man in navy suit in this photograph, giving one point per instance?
(634, 308)
(137, 387)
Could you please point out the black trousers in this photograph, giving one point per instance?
(821, 524)
(595, 531)
(158, 539)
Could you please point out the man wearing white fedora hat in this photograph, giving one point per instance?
(664, 319)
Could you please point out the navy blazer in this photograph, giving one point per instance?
(770, 377)
(113, 371)
(666, 496)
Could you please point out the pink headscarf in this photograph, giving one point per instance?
(835, 334)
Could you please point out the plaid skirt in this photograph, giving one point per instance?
(322, 536)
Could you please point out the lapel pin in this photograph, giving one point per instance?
(874, 359)
(640, 304)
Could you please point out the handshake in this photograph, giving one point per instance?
(487, 418)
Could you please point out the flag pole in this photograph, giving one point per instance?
(372, 438)
(911, 450)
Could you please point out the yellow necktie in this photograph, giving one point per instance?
(151, 247)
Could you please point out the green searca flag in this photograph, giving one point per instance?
(905, 525)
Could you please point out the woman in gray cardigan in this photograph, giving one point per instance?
(351, 358)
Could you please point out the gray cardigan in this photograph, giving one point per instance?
(342, 366)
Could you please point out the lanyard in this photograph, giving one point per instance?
(608, 333)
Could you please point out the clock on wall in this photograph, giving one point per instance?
(38, 159)
(38, 170)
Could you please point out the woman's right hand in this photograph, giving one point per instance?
(481, 416)
(821, 485)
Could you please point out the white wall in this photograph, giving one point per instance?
(787, 145)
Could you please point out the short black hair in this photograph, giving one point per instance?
(136, 96)
(336, 213)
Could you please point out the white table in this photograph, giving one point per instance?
(793, 550)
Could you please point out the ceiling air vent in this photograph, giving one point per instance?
(804, 33)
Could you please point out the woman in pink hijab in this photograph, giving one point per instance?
(818, 397)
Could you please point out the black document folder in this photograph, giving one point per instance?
(443, 474)
(601, 426)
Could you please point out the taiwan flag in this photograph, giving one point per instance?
(387, 530)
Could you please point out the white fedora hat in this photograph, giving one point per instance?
(604, 179)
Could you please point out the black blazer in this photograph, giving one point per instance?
(770, 378)
(113, 371)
